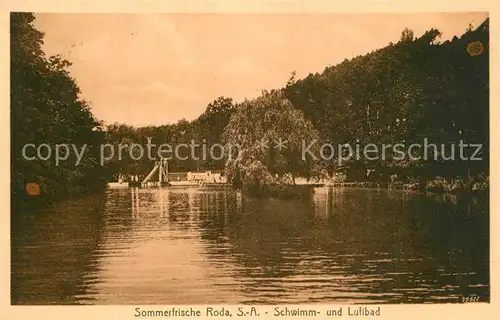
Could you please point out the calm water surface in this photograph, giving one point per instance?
(197, 246)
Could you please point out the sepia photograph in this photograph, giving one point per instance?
(250, 159)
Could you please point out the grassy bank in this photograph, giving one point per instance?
(279, 191)
(474, 185)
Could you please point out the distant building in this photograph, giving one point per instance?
(177, 176)
(208, 176)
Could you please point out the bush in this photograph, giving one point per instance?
(479, 183)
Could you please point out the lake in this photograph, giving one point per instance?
(214, 246)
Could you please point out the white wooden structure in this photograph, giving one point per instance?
(162, 168)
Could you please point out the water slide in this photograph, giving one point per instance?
(150, 174)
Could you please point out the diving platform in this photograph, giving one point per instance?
(162, 168)
(159, 176)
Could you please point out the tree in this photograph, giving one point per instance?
(257, 127)
(406, 35)
(46, 108)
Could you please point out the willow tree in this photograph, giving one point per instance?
(269, 135)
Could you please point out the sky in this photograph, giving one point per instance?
(144, 69)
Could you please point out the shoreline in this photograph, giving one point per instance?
(406, 187)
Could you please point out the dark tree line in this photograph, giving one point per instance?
(410, 90)
(46, 109)
(206, 131)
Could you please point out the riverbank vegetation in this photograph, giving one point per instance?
(46, 108)
(474, 185)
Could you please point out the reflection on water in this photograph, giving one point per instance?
(196, 246)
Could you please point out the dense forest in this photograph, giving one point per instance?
(416, 88)
(411, 90)
(46, 109)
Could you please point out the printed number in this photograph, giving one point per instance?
(470, 299)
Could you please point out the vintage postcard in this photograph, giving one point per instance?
(172, 162)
